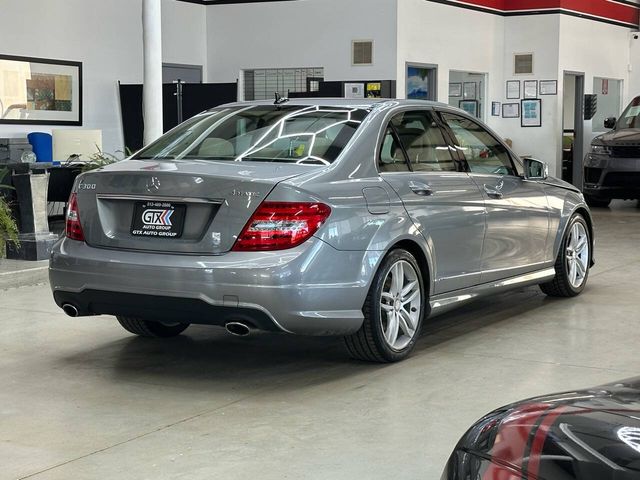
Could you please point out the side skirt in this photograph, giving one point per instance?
(448, 301)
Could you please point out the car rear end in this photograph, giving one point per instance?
(206, 239)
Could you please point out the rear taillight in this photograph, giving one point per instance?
(73, 227)
(281, 225)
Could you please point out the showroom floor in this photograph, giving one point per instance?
(82, 399)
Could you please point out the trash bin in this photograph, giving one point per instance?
(42, 146)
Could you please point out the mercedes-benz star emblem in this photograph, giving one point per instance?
(153, 184)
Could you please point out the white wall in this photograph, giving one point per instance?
(452, 39)
(312, 33)
(106, 36)
(184, 34)
(538, 35)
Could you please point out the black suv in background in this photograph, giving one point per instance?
(612, 167)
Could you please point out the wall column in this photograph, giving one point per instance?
(152, 88)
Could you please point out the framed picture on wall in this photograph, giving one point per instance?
(548, 87)
(470, 91)
(470, 106)
(495, 109)
(531, 113)
(40, 91)
(530, 89)
(510, 110)
(354, 90)
(421, 82)
(455, 89)
(513, 89)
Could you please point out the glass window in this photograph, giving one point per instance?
(391, 156)
(270, 133)
(484, 154)
(630, 118)
(423, 142)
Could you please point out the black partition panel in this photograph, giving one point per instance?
(196, 98)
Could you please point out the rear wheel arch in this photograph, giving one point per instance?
(421, 257)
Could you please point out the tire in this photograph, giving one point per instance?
(597, 202)
(573, 261)
(145, 328)
(385, 312)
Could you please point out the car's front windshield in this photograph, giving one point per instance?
(271, 133)
(630, 118)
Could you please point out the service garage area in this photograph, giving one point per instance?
(319, 239)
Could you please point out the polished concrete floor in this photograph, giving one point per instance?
(82, 399)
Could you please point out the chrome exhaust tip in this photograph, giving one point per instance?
(70, 310)
(238, 329)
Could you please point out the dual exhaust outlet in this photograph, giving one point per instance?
(238, 329)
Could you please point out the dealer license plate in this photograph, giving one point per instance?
(157, 219)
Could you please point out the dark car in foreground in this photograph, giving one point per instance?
(590, 434)
(358, 218)
(612, 168)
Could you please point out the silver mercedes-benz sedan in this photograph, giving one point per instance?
(358, 218)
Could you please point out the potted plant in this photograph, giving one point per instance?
(8, 226)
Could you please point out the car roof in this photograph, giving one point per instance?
(340, 102)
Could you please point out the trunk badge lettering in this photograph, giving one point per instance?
(86, 186)
(239, 193)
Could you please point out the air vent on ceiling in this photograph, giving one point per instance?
(523, 63)
(362, 52)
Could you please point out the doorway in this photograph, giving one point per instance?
(573, 128)
(467, 91)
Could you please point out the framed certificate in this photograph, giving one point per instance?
(510, 110)
(531, 113)
(513, 89)
(530, 89)
(470, 91)
(455, 89)
(548, 87)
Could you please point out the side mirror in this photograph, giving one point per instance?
(610, 122)
(535, 169)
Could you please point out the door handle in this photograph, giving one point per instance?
(421, 189)
(493, 192)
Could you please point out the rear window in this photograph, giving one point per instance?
(268, 133)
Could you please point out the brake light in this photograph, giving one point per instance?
(281, 225)
(73, 228)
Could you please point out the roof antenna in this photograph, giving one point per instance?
(280, 99)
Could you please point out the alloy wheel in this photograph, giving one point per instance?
(400, 304)
(577, 255)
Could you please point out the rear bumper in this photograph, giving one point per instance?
(312, 289)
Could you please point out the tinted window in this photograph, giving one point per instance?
(630, 118)
(483, 152)
(290, 133)
(422, 139)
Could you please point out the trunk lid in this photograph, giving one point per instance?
(194, 207)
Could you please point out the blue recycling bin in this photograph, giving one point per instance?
(42, 146)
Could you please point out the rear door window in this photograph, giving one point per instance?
(482, 151)
(421, 139)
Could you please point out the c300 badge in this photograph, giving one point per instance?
(239, 193)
